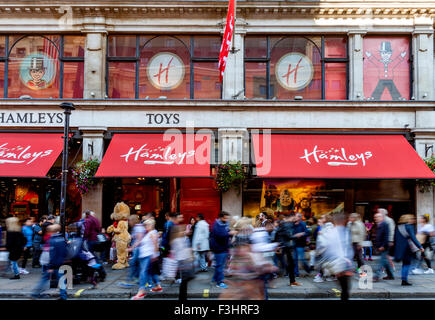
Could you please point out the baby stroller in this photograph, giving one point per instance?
(83, 262)
(86, 268)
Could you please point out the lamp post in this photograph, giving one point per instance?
(67, 108)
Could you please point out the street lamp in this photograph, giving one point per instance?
(67, 108)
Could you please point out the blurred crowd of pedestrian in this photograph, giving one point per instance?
(246, 254)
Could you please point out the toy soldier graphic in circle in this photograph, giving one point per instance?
(386, 68)
(37, 72)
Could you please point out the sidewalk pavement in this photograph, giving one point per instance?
(201, 287)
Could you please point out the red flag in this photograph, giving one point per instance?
(226, 41)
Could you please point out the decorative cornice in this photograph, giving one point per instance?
(246, 8)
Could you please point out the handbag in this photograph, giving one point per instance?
(4, 255)
(366, 244)
(101, 238)
(405, 233)
(185, 270)
(428, 252)
(169, 267)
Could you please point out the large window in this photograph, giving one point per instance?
(163, 67)
(387, 68)
(312, 68)
(42, 66)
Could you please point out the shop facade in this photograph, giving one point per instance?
(348, 71)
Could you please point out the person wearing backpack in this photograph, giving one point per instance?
(57, 253)
(284, 236)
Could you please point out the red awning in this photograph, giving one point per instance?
(157, 155)
(338, 156)
(28, 154)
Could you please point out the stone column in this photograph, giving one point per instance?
(233, 82)
(233, 147)
(93, 147)
(356, 70)
(423, 49)
(425, 147)
(95, 58)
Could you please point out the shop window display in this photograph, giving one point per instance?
(42, 66)
(285, 67)
(387, 68)
(281, 196)
(163, 67)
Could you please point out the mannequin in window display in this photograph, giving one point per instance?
(286, 201)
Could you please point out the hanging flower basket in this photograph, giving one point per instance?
(230, 175)
(426, 185)
(83, 174)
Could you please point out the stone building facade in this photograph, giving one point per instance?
(250, 96)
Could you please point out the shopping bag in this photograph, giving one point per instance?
(169, 267)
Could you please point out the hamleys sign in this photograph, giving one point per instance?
(28, 154)
(294, 71)
(336, 156)
(157, 155)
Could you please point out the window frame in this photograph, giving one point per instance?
(62, 59)
(323, 61)
(136, 60)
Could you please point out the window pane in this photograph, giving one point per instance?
(164, 69)
(386, 68)
(255, 80)
(255, 47)
(335, 48)
(296, 69)
(73, 46)
(206, 46)
(122, 80)
(207, 85)
(122, 46)
(73, 80)
(34, 68)
(2, 79)
(335, 81)
(2, 46)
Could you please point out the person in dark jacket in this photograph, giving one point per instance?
(92, 228)
(37, 241)
(284, 236)
(170, 222)
(300, 234)
(381, 245)
(57, 253)
(220, 244)
(406, 245)
(15, 242)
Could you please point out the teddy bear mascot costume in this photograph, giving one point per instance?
(122, 237)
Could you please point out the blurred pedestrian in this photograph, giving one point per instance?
(137, 234)
(406, 245)
(300, 234)
(28, 233)
(312, 226)
(325, 225)
(147, 248)
(285, 237)
(53, 257)
(165, 243)
(219, 244)
(154, 266)
(15, 241)
(182, 253)
(37, 241)
(190, 228)
(391, 228)
(92, 228)
(368, 245)
(336, 248)
(200, 242)
(381, 245)
(358, 232)
(424, 233)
